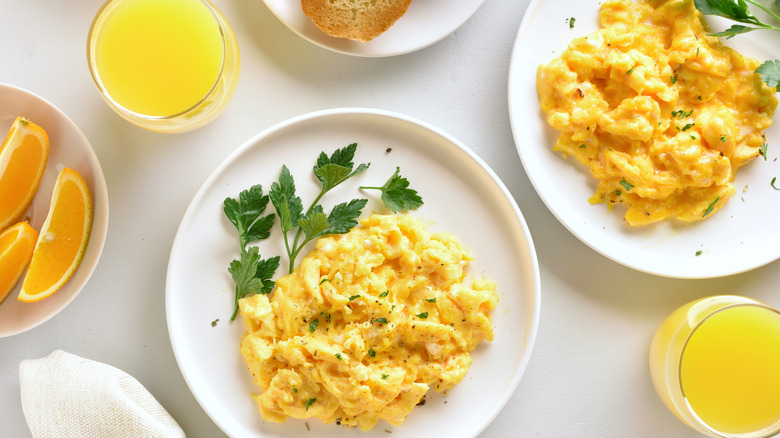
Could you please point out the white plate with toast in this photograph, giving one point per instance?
(451, 180)
(425, 23)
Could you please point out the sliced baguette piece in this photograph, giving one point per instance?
(359, 20)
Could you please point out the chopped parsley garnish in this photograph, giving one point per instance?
(431, 300)
(354, 297)
(381, 320)
(571, 22)
(682, 113)
(338, 356)
(295, 390)
(617, 193)
(674, 78)
(582, 146)
(384, 294)
(630, 70)
(686, 127)
(723, 138)
(385, 376)
(698, 253)
(423, 315)
(324, 280)
(773, 183)
(310, 402)
(626, 185)
(371, 352)
(712, 205)
(762, 151)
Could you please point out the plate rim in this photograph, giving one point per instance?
(100, 202)
(535, 309)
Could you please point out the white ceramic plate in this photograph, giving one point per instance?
(741, 236)
(461, 194)
(68, 148)
(425, 22)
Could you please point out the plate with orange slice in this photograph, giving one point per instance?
(54, 215)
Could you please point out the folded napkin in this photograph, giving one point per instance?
(64, 395)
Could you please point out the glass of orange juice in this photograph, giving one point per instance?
(164, 65)
(715, 363)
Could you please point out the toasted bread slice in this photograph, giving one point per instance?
(359, 20)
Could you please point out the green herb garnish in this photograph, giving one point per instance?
(431, 300)
(245, 213)
(626, 185)
(384, 294)
(423, 315)
(762, 151)
(698, 253)
(571, 22)
(381, 320)
(313, 325)
(330, 171)
(773, 183)
(371, 352)
(310, 402)
(396, 194)
(252, 275)
(385, 376)
(711, 206)
(354, 297)
(338, 356)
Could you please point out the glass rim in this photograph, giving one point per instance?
(774, 430)
(96, 76)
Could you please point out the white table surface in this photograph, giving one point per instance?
(588, 373)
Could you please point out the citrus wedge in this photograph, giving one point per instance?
(63, 238)
(16, 249)
(23, 157)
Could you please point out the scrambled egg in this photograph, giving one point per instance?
(662, 113)
(367, 323)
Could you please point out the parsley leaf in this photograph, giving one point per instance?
(334, 170)
(371, 352)
(770, 73)
(354, 297)
(252, 275)
(381, 320)
(313, 325)
(396, 194)
(762, 151)
(423, 315)
(431, 300)
(571, 22)
(711, 206)
(245, 213)
(310, 402)
(626, 185)
(384, 294)
(288, 206)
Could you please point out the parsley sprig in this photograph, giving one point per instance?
(251, 273)
(739, 11)
(330, 171)
(396, 194)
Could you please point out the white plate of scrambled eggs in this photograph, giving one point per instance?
(463, 201)
(672, 129)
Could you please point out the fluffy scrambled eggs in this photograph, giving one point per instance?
(367, 323)
(662, 113)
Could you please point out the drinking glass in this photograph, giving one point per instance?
(166, 66)
(715, 363)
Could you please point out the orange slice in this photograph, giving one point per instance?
(63, 238)
(16, 249)
(23, 157)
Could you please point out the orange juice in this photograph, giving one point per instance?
(160, 59)
(715, 363)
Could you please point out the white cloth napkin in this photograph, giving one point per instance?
(64, 395)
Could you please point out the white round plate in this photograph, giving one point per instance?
(425, 23)
(68, 148)
(741, 236)
(461, 194)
